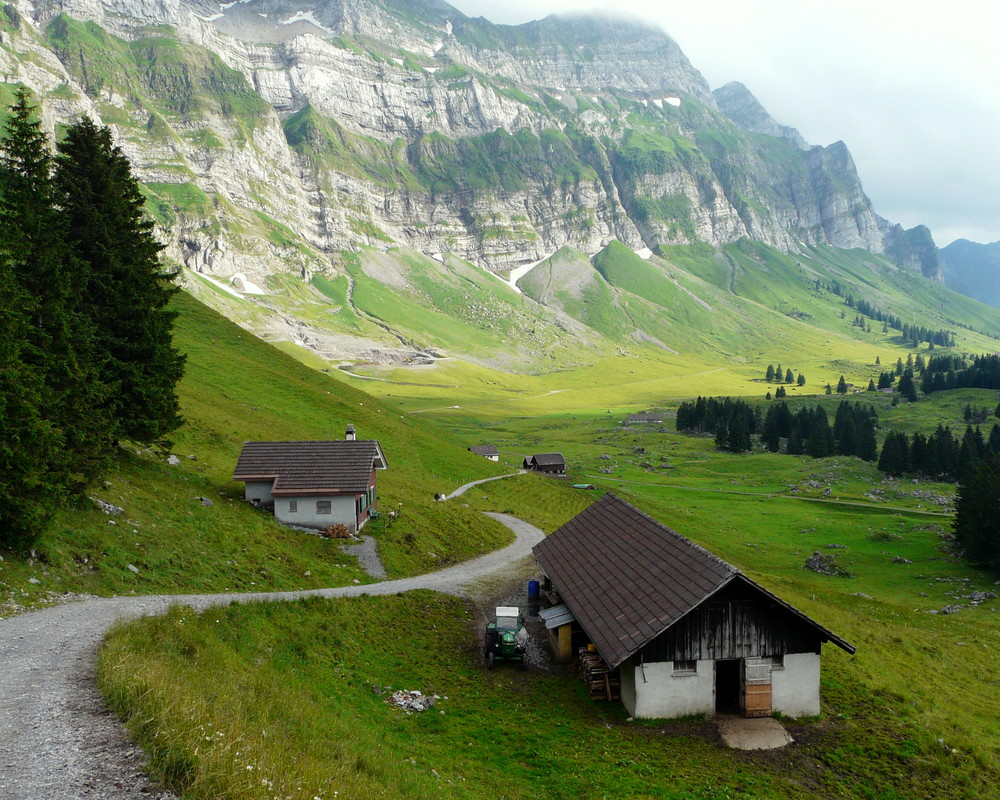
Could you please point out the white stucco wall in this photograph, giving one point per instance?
(795, 689)
(258, 490)
(654, 691)
(342, 510)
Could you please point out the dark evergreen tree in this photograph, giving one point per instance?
(842, 386)
(894, 459)
(57, 441)
(738, 440)
(906, 386)
(769, 375)
(977, 513)
(919, 454)
(779, 374)
(789, 377)
(126, 291)
(801, 381)
(871, 386)
(770, 435)
(819, 442)
(784, 418)
(899, 366)
(945, 451)
(994, 440)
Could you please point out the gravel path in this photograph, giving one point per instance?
(57, 740)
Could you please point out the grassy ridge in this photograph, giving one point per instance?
(236, 389)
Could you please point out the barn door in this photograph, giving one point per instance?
(756, 685)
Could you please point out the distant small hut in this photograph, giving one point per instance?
(553, 463)
(486, 451)
(644, 418)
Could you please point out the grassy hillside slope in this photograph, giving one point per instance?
(185, 528)
(902, 718)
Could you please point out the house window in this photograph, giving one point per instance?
(293, 506)
(686, 667)
(324, 506)
(778, 662)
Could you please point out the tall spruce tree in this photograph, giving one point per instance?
(58, 442)
(977, 513)
(895, 455)
(126, 290)
(907, 387)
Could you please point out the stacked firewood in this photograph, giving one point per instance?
(601, 682)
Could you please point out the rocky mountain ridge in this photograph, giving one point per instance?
(274, 134)
(973, 269)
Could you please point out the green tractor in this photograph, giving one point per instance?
(506, 638)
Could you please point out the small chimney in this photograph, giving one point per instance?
(350, 435)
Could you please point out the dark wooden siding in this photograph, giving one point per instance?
(736, 622)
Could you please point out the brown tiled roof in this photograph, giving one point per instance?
(484, 450)
(627, 578)
(548, 459)
(311, 467)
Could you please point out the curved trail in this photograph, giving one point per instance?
(58, 741)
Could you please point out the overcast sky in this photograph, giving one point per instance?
(912, 88)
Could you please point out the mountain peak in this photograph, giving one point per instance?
(738, 103)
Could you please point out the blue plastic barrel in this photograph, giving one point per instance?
(532, 590)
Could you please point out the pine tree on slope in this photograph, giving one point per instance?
(126, 288)
(53, 381)
(977, 514)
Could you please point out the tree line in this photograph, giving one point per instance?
(954, 372)
(86, 353)
(941, 455)
(912, 333)
(808, 431)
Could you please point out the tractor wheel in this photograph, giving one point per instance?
(490, 660)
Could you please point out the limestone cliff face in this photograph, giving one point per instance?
(273, 133)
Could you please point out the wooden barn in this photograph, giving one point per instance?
(546, 462)
(314, 484)
(686, 632)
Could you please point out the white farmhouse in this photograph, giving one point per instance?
(314, 484)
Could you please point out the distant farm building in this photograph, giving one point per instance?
(644, 418)
(314, 484)
(486, 451)
(546, 462)
(678, 629)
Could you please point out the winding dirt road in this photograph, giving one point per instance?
(58, 741)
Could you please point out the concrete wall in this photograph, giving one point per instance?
(795, 688)
(342, 511)
(654, 690)
(258, 490)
